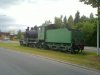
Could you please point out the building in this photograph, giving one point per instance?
(4, 35)
(13, 37)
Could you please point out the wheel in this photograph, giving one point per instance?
(45, 46)
(21, 43)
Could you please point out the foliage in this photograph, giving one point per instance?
(77, 17)
(83, 18)
(91, 16)
(19, 35)
(70, 21)
(46, 23)
(58, 21)
(65, 20)
(88, 28)
(93, 3)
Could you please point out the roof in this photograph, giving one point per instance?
(4, 33)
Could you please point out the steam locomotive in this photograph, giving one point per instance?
(52, 37)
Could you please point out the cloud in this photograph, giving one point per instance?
(5, 22)
(4, 19)
(41, 1)
(7, 3)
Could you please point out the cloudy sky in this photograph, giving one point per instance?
(18, 13)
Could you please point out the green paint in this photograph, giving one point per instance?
(62, 35)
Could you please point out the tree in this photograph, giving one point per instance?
(91, 16)
(61, 17)
(65, 20)
(93, 3)
(77, 17)
(19, 35)
(58, 22)
(83, 18)
(88, 29)
(70, 21)
(46, 23)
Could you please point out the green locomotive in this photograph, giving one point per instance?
(51, 37)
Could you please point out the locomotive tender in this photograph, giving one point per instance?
(51, 37)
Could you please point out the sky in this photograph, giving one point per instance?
(18, 14)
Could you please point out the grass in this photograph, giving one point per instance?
(87, 59)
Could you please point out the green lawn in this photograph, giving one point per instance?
(87, 59)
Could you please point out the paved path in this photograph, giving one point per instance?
(92, 49)
(8, 41)
(17, 63)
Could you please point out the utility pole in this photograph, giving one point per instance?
(98, 17)
(98, 33)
